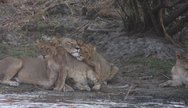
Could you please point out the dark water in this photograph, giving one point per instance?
(50, 100)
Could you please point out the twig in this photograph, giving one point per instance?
(82, 27)
(165, 76)
(118, 87)
(129, 90)
(89, 29)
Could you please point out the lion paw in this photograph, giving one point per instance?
(163, 85)
(96, 87)
(67, 88)
(14, 83)
(56, 89)
(83, 87)
(166, 84)
(87, 88)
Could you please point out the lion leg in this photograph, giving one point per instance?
(68, 88)
(52, 71)
(93, 77)
(60, 85)
(13, 68)
(96, 87)
(173, 83)
(82, 86)
(114, 71)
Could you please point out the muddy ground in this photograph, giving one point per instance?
(144, 59)
(141, 87)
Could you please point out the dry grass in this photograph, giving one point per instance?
(105, 8)
(27, 10)
(34, 10)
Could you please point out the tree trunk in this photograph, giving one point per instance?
(144, 15)
(176, 13)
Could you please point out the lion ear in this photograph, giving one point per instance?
(39, 44)
(180, 55)
(94, 48)
(80, 42)
(48, 51)
(55, 43)
(52, 51)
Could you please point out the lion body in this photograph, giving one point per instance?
(26, 70)
(73, 69)
(179, 72)
(37, 71)
(104, 70)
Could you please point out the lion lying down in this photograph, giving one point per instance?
(179, 72)
(42, 72)
(58, 67)
(81, 74)
(28, 70)
(104, 70)
(93, 72)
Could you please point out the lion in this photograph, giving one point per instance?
(42, 72)
(179, 71)
(28, 70)
(79, 72)
(70, 45)
(105, 71)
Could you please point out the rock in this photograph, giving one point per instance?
(115, 46)
(12, 39)
(3, 1)
(185, 32)
(62, 9)
(30, 26)
(60, 30)
(91, 14)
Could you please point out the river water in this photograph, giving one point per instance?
(51, 100)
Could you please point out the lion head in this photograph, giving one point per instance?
(182, 59)
(105, 70)
(70, 45)
(47, 49)
(87, 50)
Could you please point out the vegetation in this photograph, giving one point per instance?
(7, 50)
(165, 17)
(152, 66)
(23, 23)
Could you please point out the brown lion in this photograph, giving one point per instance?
(28, 70)
(81, 74)
(179, 71)
(42, 72)
(70, 45)
(104, 70)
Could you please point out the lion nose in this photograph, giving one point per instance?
(77, 48)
